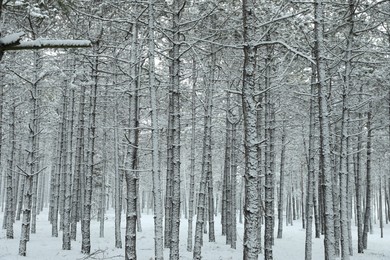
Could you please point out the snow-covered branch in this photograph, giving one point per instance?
(41, 44)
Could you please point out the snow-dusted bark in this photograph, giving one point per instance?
(9, 212)
(343, 178)
(233, 179)
(345, 222)
(157, 193)
(117, 183)
(358, 186)
(324, 125)
(77, 201)
(102, 195)
(175, 102)
(42, 44)
(1, 130)
(311, 180)
(367, 212)
(32, 168)
(270, 165)
(132, 151)
(226, 186)
(205, 188)
(251, 206)
(281, 182)
(192, 158)
(86, 217)
(66, 238)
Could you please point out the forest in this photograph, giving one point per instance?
(182, 129)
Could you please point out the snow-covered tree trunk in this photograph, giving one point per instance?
(32, 168)
(16, 180)
(226, 186)
(325, 131)
(1, 131)
(311, 180)
(201, 206)
(343, 174)
(156, 172)
(77, 201)
(233, 183)
(350, 185)
(192, 158)
(175, 95)
(9, 212)
(367, 212)
(86, 218)
(20, 193)
(251, 207)
(358, 185)
(343, 161)
(281, 181)
(117, 183)
(260, 126)
(132, 151)
(102, 202)
(66, 237)
(270, 164)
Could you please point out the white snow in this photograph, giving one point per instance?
(11, 39)
(44, 247)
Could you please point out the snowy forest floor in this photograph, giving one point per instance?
(292, 247)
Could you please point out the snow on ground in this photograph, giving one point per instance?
(44, 247)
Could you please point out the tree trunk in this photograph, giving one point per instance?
(117, 181)
(86, 218)
(156, 172)
(66, 244)
(192, 158)
(33, 167)
(325, 131)
(367, 213)
(175, 95)
(77, 201)
(311, 180)
(281, 182)
(251, 204)
(9, 212)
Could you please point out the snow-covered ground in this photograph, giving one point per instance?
(44, 247)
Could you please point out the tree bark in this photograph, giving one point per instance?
(324, 125)
(367, 213)
(192, 158)
(311, 180)
(157, 194)
(251, 206)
